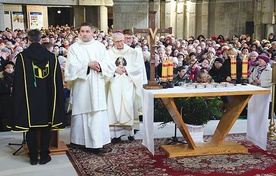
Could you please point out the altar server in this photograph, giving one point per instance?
(85, 71)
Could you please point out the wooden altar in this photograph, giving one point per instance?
(240, 96)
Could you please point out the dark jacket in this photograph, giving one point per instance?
(226, 66)
(37, 91)
(158, 71)
(5, 99)
(217, 74)
(2, 60)
(181, 80)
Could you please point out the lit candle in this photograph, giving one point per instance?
(244, 67)
(170, 70)
(233, 68)
(164, 76)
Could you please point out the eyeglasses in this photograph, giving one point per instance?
(119, 41)
(128, 38)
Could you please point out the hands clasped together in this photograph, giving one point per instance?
(121, 70)
(256, 82)
(95, 66)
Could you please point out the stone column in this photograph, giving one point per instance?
(190, 20)
(103, 18)
(92, 15)
(2, 23)
(202, 17)
(79, 15)
(128, 14)
(268, 15)
(258, 26)
(179, 21)
(172, 9)
(165, 14)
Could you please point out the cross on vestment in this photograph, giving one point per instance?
(152, 31)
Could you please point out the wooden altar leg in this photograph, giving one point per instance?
(171, 107)
(233, 110)
(216, 145)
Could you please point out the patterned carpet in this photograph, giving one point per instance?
(133, 159)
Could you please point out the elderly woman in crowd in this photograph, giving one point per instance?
(252, 62)
(262, 74)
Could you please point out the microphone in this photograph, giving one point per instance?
(189, 68)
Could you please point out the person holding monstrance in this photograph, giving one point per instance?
(124, 89)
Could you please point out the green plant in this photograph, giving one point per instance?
(195, 110)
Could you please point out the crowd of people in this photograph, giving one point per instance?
(212, 55)
(96, 66)
(209, 53)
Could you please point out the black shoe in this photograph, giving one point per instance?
(105, 150)
(94, 151)
(33, 161)
(131, 138)
(44, 160)
(115, 140)
(141, 118)
(135, 131)
(100, 151)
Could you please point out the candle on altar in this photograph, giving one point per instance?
(170, 69)
(244, 68)
(233, 68)
(164, 75)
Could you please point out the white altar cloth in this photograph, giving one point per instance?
(257, 115)
(262, 107)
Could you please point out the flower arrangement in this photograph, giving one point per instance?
(195, 110)
(161, 113)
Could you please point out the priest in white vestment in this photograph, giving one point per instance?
(85, 72)
(129, 37)
(125, 89)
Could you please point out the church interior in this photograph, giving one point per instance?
(185, 18)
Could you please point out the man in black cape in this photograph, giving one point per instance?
(38, 103)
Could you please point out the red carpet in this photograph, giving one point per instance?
(132, 158)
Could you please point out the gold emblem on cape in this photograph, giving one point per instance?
(41, 73)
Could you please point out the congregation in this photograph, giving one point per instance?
(196, 59)
(207, 51)
(209, 56)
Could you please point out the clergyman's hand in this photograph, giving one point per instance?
(95, 66)
(120, 70)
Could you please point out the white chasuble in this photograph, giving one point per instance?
(124, 91)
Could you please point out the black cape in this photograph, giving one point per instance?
(37, 91)
(5, 99)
